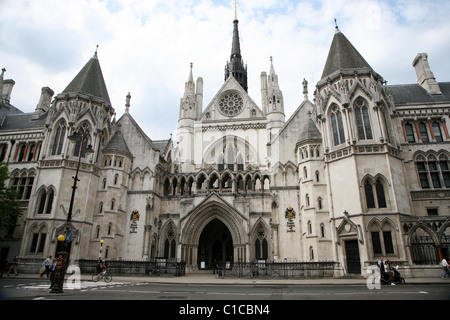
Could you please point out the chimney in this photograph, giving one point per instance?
(7, 89)
(424, 75)
(44, 102)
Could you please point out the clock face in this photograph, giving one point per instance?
(231, 104)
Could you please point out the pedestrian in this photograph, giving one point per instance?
(389, 271)
(98, 268)
(14, 264)
(381, 265)
(47, 265)
(53, 271)
(445, 267)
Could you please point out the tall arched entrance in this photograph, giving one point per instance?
(215, 245)
(213, 232)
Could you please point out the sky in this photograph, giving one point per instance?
(145, 47)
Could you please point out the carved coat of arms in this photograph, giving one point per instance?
(134, 218)
(290, 213)
(290, 216)
(135, 215)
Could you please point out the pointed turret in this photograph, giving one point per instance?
(343, 55)
(272, 97)
(235, 66)
(90, 81)
(272, 101)
(190, 111)
(188, 104)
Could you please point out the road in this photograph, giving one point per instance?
(37, 289)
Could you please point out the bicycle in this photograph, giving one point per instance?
(105, 275)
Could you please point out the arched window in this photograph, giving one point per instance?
(240, 162)
(31, 151)
(170, 244)
(437, 131)
(337, 126)
(78, 144)
(319, 203)
(42, 199)
(58, 139)
(322, 230)
(362, 120)
(49, 202)
(382, 241)
(433, 172)
(375, 194)
(381, 199)
(261, 245)
(423, 132)
(220, 163)
(45, 203)
(230, 157)
(38, 238)
(370, 200)
(409, 131)
(3, 150)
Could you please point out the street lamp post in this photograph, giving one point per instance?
(101, 248)
(83, 137)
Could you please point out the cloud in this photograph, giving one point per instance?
(146, 47)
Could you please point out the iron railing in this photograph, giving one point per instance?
(265, 269)
(128, 267)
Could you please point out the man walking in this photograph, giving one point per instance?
(444, 265)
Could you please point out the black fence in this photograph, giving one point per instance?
(261, 269)
(264, 269)
(126, 267)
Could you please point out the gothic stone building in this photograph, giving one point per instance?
(358, 172)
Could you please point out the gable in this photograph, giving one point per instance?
(232, 102)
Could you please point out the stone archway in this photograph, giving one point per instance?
(215, 246)
(216, 221)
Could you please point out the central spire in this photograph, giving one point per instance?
(235, 66)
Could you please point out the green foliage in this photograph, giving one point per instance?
(9, 205)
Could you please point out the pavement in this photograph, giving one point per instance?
(209, 278)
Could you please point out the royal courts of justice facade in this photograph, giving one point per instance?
(359, 171)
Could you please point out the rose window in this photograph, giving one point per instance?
(231, 104)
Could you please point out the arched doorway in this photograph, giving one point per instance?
(213, 220)
(215, 246)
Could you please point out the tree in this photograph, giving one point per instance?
(9, 205)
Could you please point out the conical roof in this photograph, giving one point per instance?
(117, 143)
(309, 132)
(89, 81)
(343, 55)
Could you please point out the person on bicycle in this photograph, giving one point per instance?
(102, 268)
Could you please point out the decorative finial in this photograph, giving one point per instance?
(305, 89)
(235, 9)
(127, 104)
(337, 28)
(96, 50)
